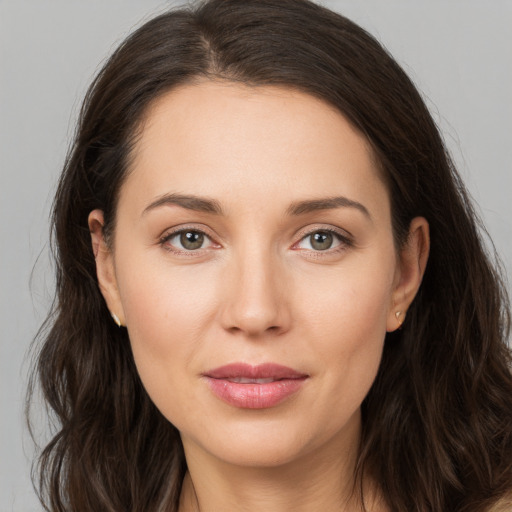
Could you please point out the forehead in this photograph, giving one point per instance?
(228, 140)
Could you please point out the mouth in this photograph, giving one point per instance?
(246, 380)
(254, 387)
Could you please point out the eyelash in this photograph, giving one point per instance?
(345, 241)
(164, 241)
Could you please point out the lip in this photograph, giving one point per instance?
(254, 387)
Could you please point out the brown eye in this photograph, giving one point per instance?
(191, 240)
(321, 240)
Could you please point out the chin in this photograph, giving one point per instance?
(264, 442)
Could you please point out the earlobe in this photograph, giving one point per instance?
(413, 259)
(105, 267)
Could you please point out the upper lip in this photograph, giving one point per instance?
(260, 371)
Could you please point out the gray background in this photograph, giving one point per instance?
(457, 51)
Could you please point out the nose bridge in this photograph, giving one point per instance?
(256, 303)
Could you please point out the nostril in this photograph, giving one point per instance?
(273, 329)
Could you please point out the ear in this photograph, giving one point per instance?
(105, 267)
(412, 261)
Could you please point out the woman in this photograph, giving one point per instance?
(306, 317)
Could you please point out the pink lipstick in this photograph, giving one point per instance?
(254, 387)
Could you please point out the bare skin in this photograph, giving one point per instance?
(254, 227)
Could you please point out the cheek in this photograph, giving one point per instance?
(167, 314)
(351, 303)
(160, 302)
(346, 316)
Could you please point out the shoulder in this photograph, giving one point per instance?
(504, 505)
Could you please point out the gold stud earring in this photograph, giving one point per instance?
(399, 320)
(116, 319)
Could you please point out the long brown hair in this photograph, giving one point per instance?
(437, 423)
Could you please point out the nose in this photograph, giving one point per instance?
(256, 302)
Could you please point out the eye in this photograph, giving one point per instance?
(322, 240)
(187, 240)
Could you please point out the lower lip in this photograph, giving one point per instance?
(254, 396)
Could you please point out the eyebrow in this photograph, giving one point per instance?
(328, 203)
(207, 205)
(195, 203)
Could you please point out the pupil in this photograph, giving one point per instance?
(321, 241)
(191, 240)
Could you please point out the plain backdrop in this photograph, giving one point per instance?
(458, 52)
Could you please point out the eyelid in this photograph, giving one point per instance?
(310, 229)
(170, 233)
(344, 237)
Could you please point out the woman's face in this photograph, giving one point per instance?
(255, 269)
